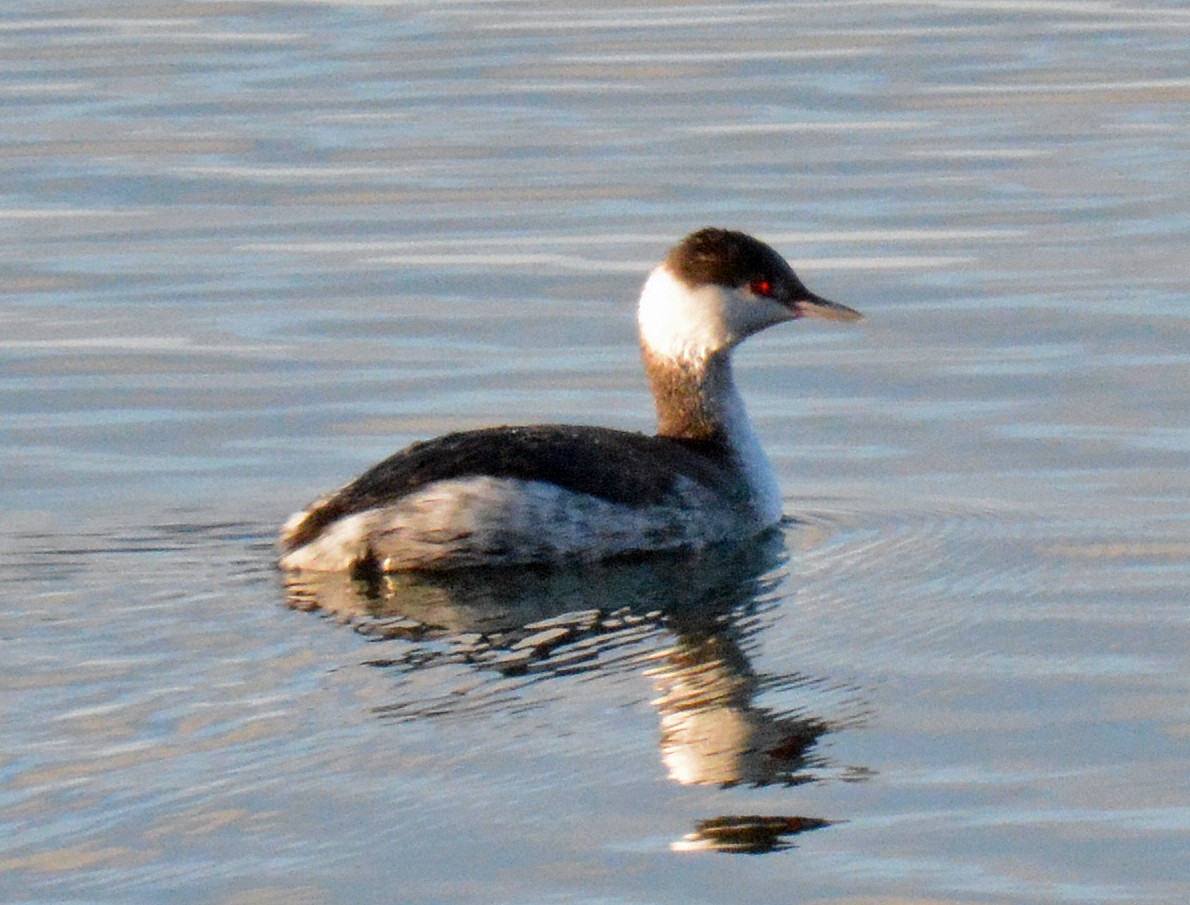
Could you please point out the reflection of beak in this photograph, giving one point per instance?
(817, 306)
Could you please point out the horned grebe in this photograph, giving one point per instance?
(554, 493)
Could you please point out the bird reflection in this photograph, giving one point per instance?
(711, 731)
(684, 621)
(753, 835)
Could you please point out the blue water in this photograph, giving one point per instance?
(251, 248)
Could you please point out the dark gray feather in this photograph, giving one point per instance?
(618, 466)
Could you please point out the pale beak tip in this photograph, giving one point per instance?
(816, 306)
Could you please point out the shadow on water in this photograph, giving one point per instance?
(684, 622)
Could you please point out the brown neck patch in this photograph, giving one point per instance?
(684, 392)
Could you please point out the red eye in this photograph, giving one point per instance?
(761, 287)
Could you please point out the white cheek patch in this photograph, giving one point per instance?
(685, 324)
(681, 323)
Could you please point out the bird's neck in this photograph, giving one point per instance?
(697, 399)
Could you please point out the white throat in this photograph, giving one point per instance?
(764, 490)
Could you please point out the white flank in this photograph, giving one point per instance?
(490, 521)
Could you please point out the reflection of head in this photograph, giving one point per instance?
(711, 733)
(753, 835)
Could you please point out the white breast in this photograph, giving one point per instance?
(758, 474)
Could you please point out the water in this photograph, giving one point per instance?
(250, 248)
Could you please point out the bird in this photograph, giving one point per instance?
(547, 495)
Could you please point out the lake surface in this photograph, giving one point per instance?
(250, 248)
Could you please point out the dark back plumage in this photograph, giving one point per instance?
(617, 466)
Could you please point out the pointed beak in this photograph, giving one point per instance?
(816, 306)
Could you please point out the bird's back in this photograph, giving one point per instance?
(620, 468)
